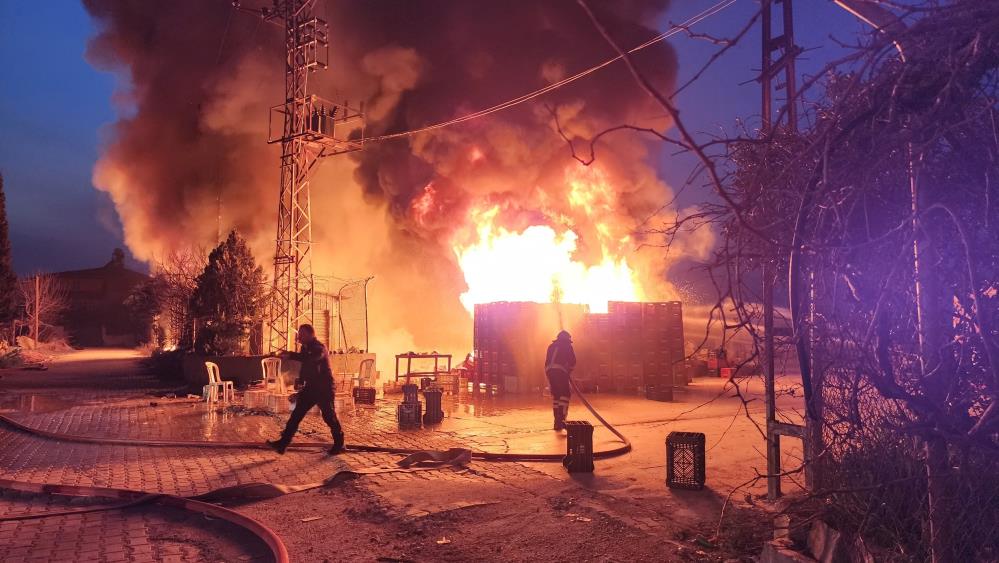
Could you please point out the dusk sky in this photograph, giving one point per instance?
(54, 106)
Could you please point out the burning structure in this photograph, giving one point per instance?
(490, 210)
(633, 348)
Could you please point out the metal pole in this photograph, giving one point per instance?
(367, 345)
(784, 45)
(38, 299)
(773, 439)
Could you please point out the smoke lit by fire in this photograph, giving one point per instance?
(493, 209)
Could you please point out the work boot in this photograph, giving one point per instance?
(337, 444)
(278, 445)
(559, 419)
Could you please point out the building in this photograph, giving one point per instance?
(96, 314)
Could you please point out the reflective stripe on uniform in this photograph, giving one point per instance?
(553, 365)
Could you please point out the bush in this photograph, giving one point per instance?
(167, 365)
(10, 357)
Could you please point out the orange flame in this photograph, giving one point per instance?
(537, 262)
(424, 205)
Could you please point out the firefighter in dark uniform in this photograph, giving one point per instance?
(317, 376)
(559, 363)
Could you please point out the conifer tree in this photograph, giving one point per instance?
(8, 279)
(228, 297)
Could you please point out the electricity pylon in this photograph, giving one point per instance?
(308, 128)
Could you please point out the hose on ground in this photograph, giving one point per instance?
(478, 455)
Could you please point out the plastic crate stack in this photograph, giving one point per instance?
(448, 382)
(630, 348)
(626, 324)
(579, 447)
(685, 460)
(435, 412)
(633, 348)
(493, 361)
(410, 410)
(662, 334)
(364, 395)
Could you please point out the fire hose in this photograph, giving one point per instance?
(130, 498)
(202, 504)
(624, 448)
(416, 460)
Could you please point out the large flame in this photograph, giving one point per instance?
(542, 262)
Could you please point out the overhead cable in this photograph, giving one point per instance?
(673, 30)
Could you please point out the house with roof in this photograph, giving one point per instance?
(96, 314)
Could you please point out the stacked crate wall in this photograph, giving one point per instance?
(630, 347)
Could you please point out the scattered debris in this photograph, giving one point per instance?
(443, 541)
(705, 543)
(311, 518)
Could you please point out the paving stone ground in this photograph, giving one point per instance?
(131, 405)
(100, 396)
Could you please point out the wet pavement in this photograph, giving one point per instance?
(121, 402)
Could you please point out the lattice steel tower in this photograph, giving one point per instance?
(308, 128)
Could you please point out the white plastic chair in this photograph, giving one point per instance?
(277, 391)
(211, 391)
(366, 373)
(271, 368)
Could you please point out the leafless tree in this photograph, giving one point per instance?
(880, 218)
(45, 299)
(174, 279)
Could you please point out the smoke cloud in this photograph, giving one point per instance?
(187, 157)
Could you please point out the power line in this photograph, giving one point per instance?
(555, 85)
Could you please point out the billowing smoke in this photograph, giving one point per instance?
(187, 159)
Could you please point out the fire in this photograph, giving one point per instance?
(539, 261)
(424, 205)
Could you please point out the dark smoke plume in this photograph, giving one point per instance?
(197, 78)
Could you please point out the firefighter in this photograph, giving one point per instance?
(317, 377)
(559, 363)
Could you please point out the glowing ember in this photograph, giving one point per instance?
(423, 205)
(537, 262)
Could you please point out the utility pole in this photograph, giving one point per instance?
(38, 299)
(778, 56)
(308, 128)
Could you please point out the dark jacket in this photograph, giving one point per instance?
(315, 371)
(560, 356)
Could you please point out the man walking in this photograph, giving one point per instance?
(317, 376)
(559, 363)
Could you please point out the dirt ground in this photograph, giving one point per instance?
(355, 526)
(487, 511)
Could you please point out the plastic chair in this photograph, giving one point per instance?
(271, 368)
(366, 373)
(210, 392)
